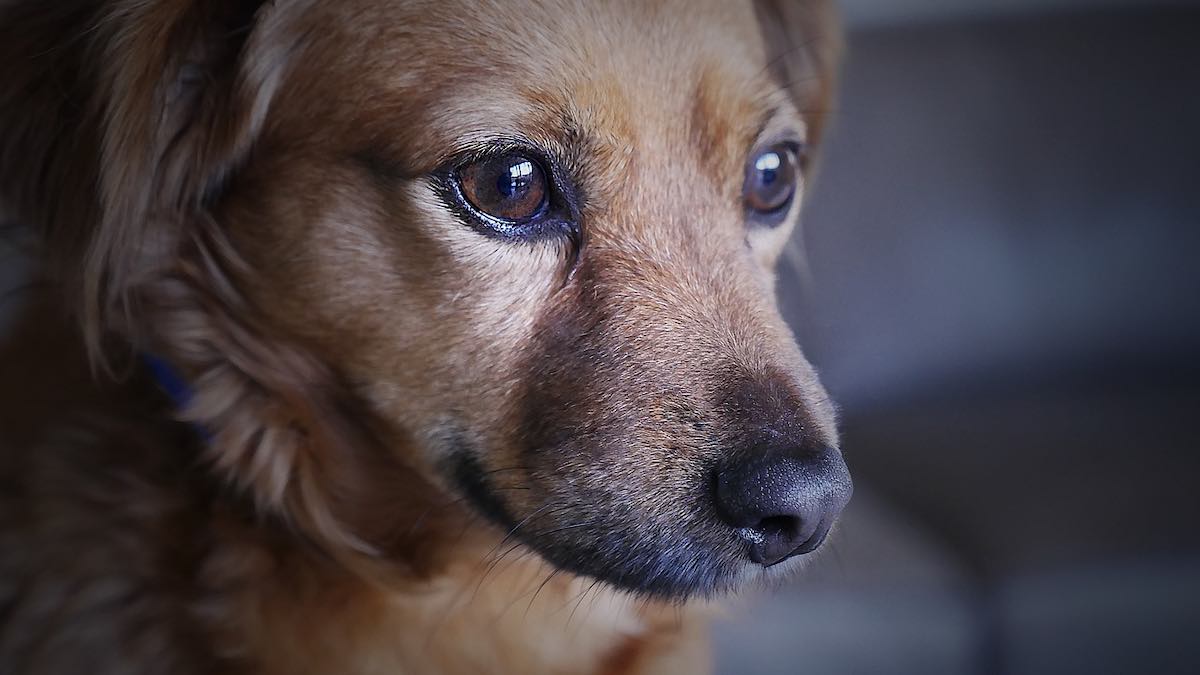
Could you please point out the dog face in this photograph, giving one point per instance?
(534, 244)
(539, 244)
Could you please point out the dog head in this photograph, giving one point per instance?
(517, 256)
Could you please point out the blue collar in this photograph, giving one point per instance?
(169, 380)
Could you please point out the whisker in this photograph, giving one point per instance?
(549, 577)
(491, 566)
(582, 596)
(566, 527)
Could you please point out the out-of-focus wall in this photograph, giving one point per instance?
(1012, 192)
(879, 13)
(1003, 294)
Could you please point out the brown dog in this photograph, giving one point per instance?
(470, 307)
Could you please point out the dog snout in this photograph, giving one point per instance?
(782, 502)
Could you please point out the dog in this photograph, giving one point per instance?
(404, 336)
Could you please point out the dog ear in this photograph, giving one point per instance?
(804, 49)
(122, 123)
(118, 122)
(191, 93)
(187, 87)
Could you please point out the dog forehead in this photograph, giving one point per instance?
(654, 103)
(464, 69)
(603, 30)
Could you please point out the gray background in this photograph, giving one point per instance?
(1002, 290)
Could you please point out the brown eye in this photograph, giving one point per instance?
(771, 179)
(509, 187)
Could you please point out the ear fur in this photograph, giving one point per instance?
(282, 428)
(121, 122)
(804, 50)
(278, 419)
(170, 142)
(119, 119)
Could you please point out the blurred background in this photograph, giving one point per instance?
(1002, 292)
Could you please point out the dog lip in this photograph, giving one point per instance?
(468, 475)
(640, 572)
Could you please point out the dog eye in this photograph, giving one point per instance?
(509, 187)
(771, 178)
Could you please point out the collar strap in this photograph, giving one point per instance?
(169, 380)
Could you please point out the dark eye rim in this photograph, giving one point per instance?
(778, 215)
(557, 216)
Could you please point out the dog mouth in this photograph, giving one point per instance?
(670, 560)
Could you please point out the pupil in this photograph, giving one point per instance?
(768, 167)
(515, 181)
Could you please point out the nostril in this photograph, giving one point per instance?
(787, 527)
(774, 539)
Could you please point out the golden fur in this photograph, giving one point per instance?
(240, 188)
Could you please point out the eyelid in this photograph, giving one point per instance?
(790, 141)
(780, 125)
(477, 151)
(560, 212)
(480, 150)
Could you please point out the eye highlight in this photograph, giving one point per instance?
(772, 178)
(509, 187)
(511, 191)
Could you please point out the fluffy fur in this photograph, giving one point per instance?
(409, 447)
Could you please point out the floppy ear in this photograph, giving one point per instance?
(280, 425)
(182, 107)
(121, 124)
(804, 49)
(118, 121)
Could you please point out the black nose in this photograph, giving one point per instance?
(782, 501)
